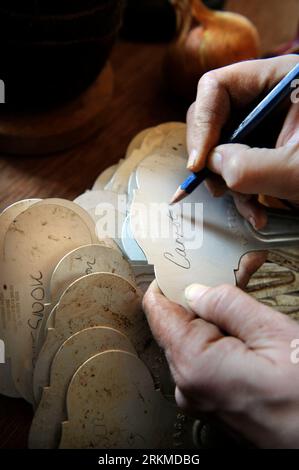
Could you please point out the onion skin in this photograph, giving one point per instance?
(222, 39)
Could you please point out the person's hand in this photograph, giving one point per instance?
(231, 358)
(243, 170)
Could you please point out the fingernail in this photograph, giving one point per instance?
(259, 223)
(194, 292)
(253, 222)
(215, 162)
(192, 159)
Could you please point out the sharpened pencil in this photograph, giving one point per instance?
(265, 108)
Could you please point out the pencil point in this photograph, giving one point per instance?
(178, 196)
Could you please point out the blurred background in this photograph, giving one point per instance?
(52, 50)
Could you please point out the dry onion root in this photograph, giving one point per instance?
(221, 39)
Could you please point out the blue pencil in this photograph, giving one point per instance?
(265, 108)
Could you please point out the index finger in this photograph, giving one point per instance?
(219, 91)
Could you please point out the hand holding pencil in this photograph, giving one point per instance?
(243, 170)
(249, 363)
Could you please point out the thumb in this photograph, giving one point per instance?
(258, 170)
(233, 311)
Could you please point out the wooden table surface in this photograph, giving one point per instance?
(140, 100)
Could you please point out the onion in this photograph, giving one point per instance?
(221, 39)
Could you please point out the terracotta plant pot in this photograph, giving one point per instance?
(45, 7)
(96, 22)
(50, 58)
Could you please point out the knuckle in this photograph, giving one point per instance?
(191, 376)
(208, 80)
(227, 345)
(233, 172)
(199, 382)
(175, 352)
(205, 112)
(292, 156)
(184, 375)
(184, 405)
(225, 291)
(211, 105)
(146, 301)
(185, 381)
(190, 113)
(223, 295)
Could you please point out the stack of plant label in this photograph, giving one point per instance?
(78, 346)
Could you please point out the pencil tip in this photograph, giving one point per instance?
(178, 196)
